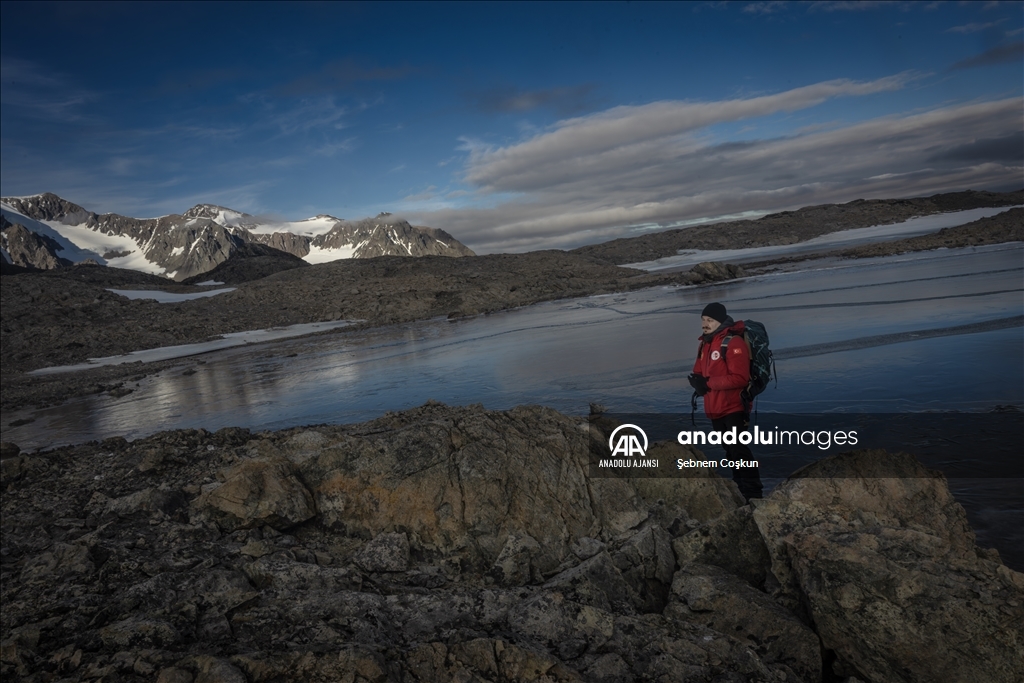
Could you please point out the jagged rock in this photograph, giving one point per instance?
(139, 632)
(513, 566)
(283, 574)
(703, 497)
(62, 560)
(864, 488)
(100, 583)
(385, 553)
(713, 271)
(646, 562)
(28, 249)
(256, 493)
(172, 674)
(732, 542)
(462, 481)
(708, 595)
(596, 582)
(585, 548)
(883, 558)
(564, 627)
(215, 670)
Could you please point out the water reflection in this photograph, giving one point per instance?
(628, 351)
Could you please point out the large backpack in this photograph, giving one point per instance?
(762, 365)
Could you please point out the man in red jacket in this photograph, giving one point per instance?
(720, 374)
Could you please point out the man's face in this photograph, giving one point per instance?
(708, 325)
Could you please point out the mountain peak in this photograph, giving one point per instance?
(45, 206)
(207, 211)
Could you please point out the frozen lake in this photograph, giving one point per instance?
(932, 331)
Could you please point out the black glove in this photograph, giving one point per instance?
(699, 383)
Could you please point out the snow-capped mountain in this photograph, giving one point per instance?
(180, 246)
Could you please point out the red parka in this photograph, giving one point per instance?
(727, 376)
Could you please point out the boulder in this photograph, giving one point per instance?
(646, 562)
(702, 496)
(256, 493)
(862, 488)
(713, 271)
(463, 481)
(712, 597)
(385, 553)
(890, 603)
(732, 542)
(873, 550)
(514, 566)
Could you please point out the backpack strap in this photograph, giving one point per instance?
(725, 343)
(745, 393)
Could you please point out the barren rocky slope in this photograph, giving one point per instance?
(789, 227)
(444, 544)
(999, 229)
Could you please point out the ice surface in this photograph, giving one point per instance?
(208, 283)
(923, 331)
(168, 297)
(835, 240)
(225, 342)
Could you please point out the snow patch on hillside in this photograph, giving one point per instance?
(323, 255)
(227, 341)
(311, 227)
(168, 297)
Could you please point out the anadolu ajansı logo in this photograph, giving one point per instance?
(628, 444)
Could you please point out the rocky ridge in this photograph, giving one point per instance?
(197, 241)
(445, 543)
(1007, 226)
(789, 227)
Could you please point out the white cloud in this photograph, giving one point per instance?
(594, 178)
(584, 145)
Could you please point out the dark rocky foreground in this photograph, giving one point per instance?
(458, 544)
(62, 317)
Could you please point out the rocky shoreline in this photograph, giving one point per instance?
(446, 543)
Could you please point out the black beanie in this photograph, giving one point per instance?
(715, 311)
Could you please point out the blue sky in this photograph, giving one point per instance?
(512, 126)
